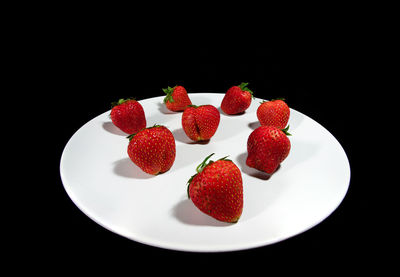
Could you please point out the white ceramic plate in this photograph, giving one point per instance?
(102, 181)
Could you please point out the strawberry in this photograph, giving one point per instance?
(275, 113)
(152, 149)
(237, 99)
(128, 115)
(217, 189)
(177, 98)
(200, 122)
(267, 147)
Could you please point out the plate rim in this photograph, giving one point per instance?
(184, 247)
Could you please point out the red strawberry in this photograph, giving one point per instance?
(267, 147)
(152, 149)
(128, 115)
(177, 98)
(200, 122)
(237, 99)
(217, 189)
(275, 113)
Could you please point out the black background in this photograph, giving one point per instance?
(85, 70)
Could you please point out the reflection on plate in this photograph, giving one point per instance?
(101, 180)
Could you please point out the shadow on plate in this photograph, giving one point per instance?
(294, 122)
(252, 171)
(180, 135)
(111, 128)
(229, 115)
(254, 125)
(186, 212)
(163, 109)
(126, 168)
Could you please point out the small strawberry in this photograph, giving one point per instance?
(267, 147)
(177, 98)
(152, 149)
(200, 122)
(237, 99)
(128, 115)
(275, 113)
(217, 189)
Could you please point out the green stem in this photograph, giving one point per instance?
(279, 98)
(121, 101)
(243, 86)
(130, 137)
(168, 91)
(285, 130)
(199, 168)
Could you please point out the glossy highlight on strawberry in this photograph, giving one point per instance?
(217, 189)
(152, 149)
(200, 122)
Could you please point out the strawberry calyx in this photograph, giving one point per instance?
(168, 91)
(243, 86)
(285, 130)
(225, 159)
(200, 168)
(262, 102)
(279, 98)
(121, 101)
(130, 137)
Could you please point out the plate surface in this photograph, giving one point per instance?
(101, 180)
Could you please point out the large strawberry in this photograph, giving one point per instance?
(177, 98)
(217, 189)
(152, 149)
(237, 99)
(200, 122)
(275, 113)
(128, 115)
(267, 147)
